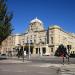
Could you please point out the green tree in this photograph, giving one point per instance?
(61, 50)
(5, 21)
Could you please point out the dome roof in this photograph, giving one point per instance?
(36, 20)
(55, 27)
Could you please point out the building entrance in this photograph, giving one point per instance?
(44, 50)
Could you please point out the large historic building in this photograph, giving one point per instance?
(39, 40)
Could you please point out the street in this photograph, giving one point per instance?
(37, 66)
(52, 60)
(25, 69)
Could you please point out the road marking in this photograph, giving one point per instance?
(64, 72)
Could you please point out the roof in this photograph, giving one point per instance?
(36, 20)
(55, 27)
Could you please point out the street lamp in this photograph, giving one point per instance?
(29, 50)
(23, 52)
(29, 46)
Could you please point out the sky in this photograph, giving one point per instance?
(50, 12)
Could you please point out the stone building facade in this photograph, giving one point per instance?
(39, 40)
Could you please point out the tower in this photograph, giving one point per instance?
(36, 25)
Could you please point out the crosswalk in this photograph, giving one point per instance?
(67, 72)
(60, 69)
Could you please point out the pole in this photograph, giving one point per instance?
(23, 53)
(29, 50)
(19, 52)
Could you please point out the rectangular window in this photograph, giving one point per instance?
(36, 50)
(23, 42)
(51, 49)
(51, 40)
(34, 41)
(27, 41)
(73, 52)
(31, 41)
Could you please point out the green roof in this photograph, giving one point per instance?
(55, 27)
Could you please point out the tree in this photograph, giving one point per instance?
(5, 21)
(61, 50)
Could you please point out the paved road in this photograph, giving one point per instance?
(26, 69)
(47, 59)
(52, 60)
(37, 66)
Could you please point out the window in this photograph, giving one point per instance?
(51, 49)
(27, 41)
(32, 29)
(34, 41)
(31, 41)
(44, 50)
(23, 42)
(36, 50)
(36, 29)
(40, 40)
(34, 36)
(73, 52)
(31, 36)
(51, 40)
(45, 40)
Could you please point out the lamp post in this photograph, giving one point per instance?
(29, 50)
(29, 46)
(23, 52)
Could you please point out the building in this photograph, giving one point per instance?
(39, 40)
(7, 45)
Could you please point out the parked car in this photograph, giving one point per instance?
(72, 55)
(46, 54)
(3, 56)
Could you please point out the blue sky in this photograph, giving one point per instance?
(60, 12)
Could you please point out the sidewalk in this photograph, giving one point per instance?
(14, 60)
